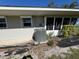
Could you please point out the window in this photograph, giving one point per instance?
(58, 22)
(26, 22)
(49, 23)
(2, 23)
(66, 21)
(77, 21)
(73, 21)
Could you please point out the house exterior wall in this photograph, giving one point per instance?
(38, 21)
(15, 34)
(16, 22)
(13, 21)
(13, 37)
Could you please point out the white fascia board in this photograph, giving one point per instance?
(37, 9)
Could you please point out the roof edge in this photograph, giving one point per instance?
(37, 8)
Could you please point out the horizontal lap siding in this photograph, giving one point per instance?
(37, 21)
(13, 21)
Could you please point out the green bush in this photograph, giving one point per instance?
(70, 30)
(77, 30)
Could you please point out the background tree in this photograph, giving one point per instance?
(51, 3)
(65, 6)
(74, 4)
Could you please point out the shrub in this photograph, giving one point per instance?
(70, 30)
(50, 42)
(77, 30)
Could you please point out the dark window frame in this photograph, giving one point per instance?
(27, 22)
(3, 23)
